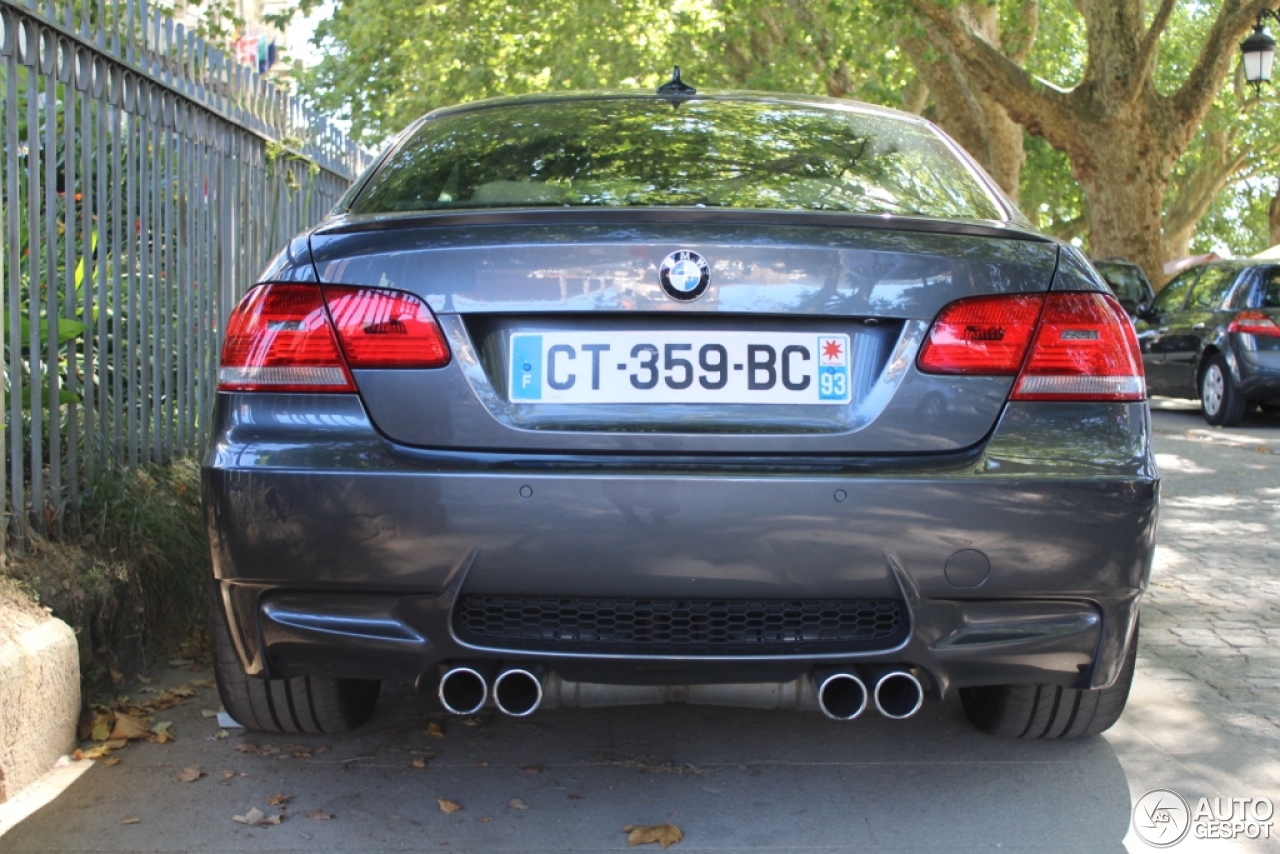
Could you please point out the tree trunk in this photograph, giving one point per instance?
(971, 116)
(1121, 133)
(1125, 193)
(1177, 244)
(1273, 218)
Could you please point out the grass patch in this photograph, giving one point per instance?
(133, 583)
(151, 520)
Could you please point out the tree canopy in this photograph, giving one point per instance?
(1122, 125)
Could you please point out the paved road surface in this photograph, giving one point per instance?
(1204, 720)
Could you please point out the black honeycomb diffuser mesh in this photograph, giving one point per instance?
(684, 626)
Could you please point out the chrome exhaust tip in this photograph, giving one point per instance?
(463, 691)
(898, 695)
(841, 696)
(518, 691)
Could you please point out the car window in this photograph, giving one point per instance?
(1170, 298)
(617, 152)
(1212, 288)
(1267, 294)
(1125, 281)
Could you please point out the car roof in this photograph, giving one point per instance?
(834, 104)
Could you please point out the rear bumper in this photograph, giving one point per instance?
(1259, 373)
(338, 553)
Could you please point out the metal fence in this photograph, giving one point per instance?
(145, 178)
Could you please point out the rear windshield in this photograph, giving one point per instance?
(702, 153)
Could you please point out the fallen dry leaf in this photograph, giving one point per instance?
(227, 775)
(128, 726)
(111, 760)
(517, 804)
(114, 743)
(447, 806)
(116, 676)
(433, 728)
(242, 747)
(469, 722)
(130, 820)
(208, 713)
(145, 680)
(485, 819)
(533, 769)
(418, 762)
(256, 818)
(204, 683)
(163, 733)
(278, 800)
(665, 835)
(301, 753)
(221, 734)
(183, 691)
(98, 751)
(189, 775)
(320, 816)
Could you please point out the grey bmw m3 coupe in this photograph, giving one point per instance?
(633, 397)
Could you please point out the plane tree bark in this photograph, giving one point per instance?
(964, 110)
(1121, 135)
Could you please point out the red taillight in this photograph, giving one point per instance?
(1084, 349)
(279, 339)
(982, 335)
(386, 329)
(1071, 346)
(1255, 323)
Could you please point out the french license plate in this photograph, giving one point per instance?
(679, 367)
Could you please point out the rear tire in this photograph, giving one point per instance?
(302, 704)
(1048, 711)
(1221, 404)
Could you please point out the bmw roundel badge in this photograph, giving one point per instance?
(684, 275)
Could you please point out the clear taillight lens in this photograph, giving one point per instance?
(279, 338)
(1084, 349)
(386, 329)
(1062, 346)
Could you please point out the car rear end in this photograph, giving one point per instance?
(637, 399)
(1252, 336)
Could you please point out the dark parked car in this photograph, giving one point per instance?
(1129, 284)
(645, 397)
(1213, 333)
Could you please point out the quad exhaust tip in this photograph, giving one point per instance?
(898, 695)
(463, 691)
(518, 692)
(842, 696)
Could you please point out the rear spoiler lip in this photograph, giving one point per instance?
(363, 223)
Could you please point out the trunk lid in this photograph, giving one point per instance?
(499, 283)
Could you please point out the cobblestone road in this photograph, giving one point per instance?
(1205, 713)
(1203, 720)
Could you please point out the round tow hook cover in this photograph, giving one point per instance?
(967, 568)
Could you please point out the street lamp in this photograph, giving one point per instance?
(1259, 51)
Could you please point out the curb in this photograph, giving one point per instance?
(39, 696)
